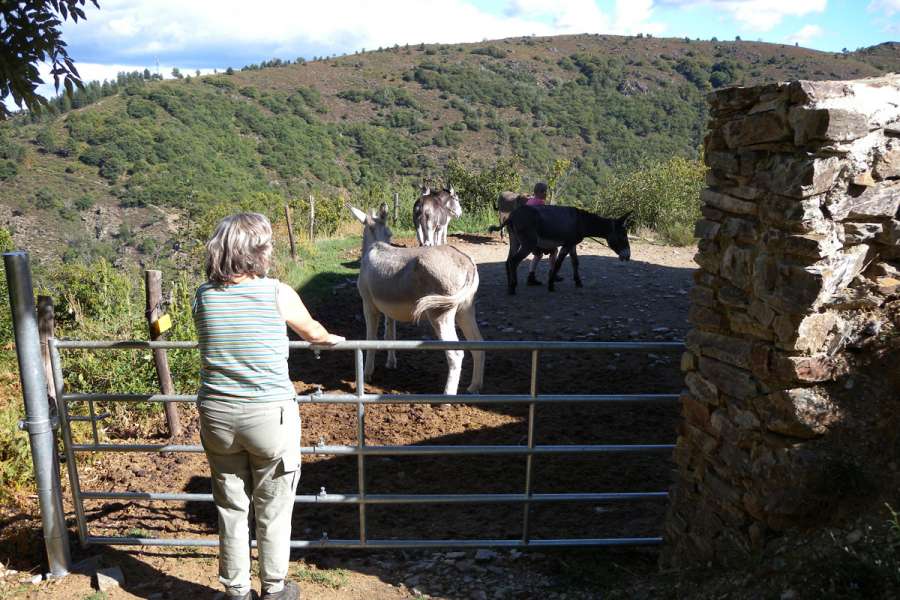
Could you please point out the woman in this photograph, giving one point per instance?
(249, 421)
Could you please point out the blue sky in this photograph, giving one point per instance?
(215, 34)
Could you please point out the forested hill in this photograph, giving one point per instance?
(131, 158)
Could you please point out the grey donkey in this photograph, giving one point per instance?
(437, 283)
(432, 212)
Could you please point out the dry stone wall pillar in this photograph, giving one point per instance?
(792, 373)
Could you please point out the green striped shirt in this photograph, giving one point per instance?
(243, 342)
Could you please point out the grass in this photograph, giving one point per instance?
(16, 476)
(331, 578)
(137, 532)
(319, 267)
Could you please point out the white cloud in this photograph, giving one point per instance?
(584, 16)
(125, 29)
(633, 16)
(888, 7)
(805, 34)
(758, 15)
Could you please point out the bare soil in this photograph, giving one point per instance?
(644, 299)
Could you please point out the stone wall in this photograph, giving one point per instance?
(792, 365)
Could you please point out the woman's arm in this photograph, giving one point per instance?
(298, 318)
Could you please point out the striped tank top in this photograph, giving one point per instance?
(243, 342)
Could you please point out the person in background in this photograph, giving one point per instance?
(539, 198)
(249, 420)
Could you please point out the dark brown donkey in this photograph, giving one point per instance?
(543, 227)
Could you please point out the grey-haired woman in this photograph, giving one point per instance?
(249, 421)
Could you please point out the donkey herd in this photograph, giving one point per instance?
(438, 282)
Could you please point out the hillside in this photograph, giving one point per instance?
(116, 176)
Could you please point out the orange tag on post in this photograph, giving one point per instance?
(161, 325)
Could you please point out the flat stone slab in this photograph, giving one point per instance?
(110, 578)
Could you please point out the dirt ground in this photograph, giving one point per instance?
(644, 299)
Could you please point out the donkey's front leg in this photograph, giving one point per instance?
(390, 334)
(554, 269)
(445, 328)
(372, 316)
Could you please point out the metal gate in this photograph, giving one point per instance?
(362, 450)
(51, 496)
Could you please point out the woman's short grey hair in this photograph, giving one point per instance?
(241, 245)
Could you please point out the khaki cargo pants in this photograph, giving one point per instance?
(254, 457)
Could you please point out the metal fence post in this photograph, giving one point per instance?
(361, 443)
(37, 411)
(529, 460)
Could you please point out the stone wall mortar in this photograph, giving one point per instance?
(799, 256)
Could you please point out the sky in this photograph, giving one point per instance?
(126, 35)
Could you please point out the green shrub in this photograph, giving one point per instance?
(47, 200)
(492, 51)
(46, 139)
(84, 202)
(663, 196)
(10, 150)
(140, 108)
(8, 170)
(479, 190)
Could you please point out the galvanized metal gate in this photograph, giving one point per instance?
(362, 450)
(57, 545)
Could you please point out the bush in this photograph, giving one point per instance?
(479, 190)
(47, 200)
(139, 108)
(46, 139)
(663, 196)
(492, 51)
(8, 170)
(85, 202)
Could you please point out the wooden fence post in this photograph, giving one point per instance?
(153, 288)
(46, 325)
(312, 218)
(290, 228)
(396, 206)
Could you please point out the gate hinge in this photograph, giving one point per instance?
(39, 426)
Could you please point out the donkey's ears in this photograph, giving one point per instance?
(382, 211)
(358, 214)
(625, 219)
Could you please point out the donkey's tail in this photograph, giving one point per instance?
(441, 303)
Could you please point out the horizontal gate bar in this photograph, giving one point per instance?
(395, 398)
(399, 345)
(99, 417)
(397, 498)
(387, 544)
(401, 450)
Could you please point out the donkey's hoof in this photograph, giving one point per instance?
(473, 389)
(533, 281)
(578, 284)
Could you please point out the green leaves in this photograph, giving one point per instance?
(31, 35)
